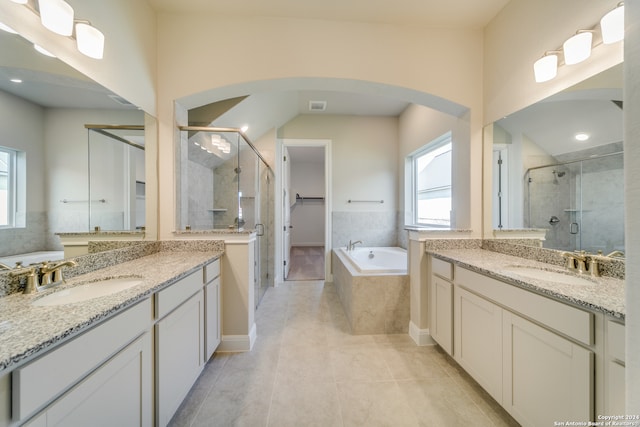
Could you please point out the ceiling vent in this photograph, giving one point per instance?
(317, 105)
(120, 100)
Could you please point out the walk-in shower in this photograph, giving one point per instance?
(579, 202)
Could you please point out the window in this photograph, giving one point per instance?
(431, 167)
(7, 186)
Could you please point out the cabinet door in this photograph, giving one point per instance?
(179, 355)
(478, 340)
(615, 389)
(212, 316)
(118, 393)
(547, 378)
(441, 327)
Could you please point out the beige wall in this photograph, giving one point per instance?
(364, 153)
(444, 63)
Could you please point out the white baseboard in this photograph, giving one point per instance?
(420, 336)
(238, 343)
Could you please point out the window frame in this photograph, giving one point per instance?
(12, 196)
(434, 145)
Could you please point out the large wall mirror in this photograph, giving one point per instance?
(46, 182)
(558, 167)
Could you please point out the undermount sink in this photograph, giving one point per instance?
(88, 291)
(551, 276)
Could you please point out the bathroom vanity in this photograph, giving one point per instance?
(128, 358)
(546, 350)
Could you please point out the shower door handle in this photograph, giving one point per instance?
(574, 228)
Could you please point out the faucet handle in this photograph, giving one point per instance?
(30, 272)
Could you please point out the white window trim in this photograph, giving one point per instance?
(411, 164)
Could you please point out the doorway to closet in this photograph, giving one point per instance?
(304, 212)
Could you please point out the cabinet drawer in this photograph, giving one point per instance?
(174, 295)
(45, 378)
(211, 271)
(573, 322)
(615, 340)
(442, 268)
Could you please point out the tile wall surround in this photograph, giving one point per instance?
(104, 256)
(377, 304)
(373, 228)
(31, 238)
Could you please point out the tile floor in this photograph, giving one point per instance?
(306, 369)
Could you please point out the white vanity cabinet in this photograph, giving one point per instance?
(102, 377)
(212, 298)
(441, 304)
(179, 333)
(531, 353)
(614, 368)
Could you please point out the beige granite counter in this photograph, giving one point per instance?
(605, 294)
(27, 330)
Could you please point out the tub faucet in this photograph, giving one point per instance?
(352, 245)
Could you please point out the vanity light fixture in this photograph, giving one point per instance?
(612, 25)
(56, 16)
(578, 48)
(546, 68)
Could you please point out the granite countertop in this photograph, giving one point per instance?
(605, 295)
(27, 330)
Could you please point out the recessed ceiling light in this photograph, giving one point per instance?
(16, 80)
(244, 128)
(581, 136)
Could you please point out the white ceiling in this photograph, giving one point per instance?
(432, 13)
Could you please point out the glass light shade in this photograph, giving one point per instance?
(90, 40)
(56, 16)
(612, 26)
(545, 68)
(577, 48)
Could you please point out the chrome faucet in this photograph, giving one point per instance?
(352, 245)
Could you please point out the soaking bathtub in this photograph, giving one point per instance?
(373, 287)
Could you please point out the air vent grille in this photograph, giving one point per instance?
(317, 105)
(120, 100)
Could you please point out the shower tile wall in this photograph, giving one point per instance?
(31, 238)
(373, 228)
(200, 196)
(589, 193)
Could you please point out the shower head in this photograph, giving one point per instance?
(558, 174)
